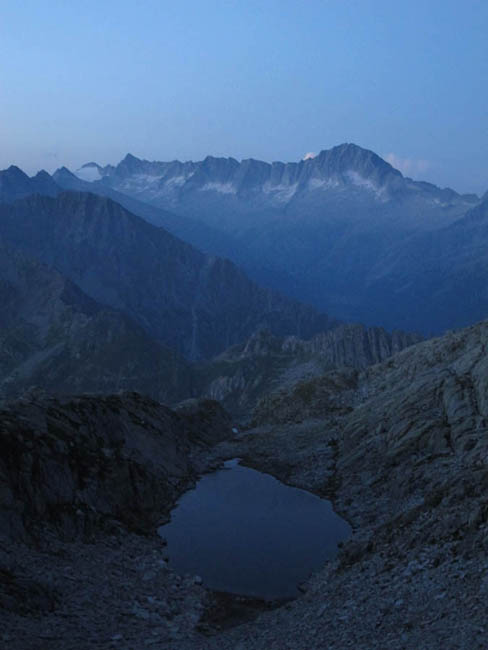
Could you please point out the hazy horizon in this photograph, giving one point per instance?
(388, 158)
(270, 82)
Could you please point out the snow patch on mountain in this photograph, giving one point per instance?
(323, 183)
(177, 181)
(222, 188)
(282, 192)
(365, 183)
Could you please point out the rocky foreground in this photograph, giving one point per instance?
(401, 448)
(85, 481)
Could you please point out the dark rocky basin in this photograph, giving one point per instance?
(245, 532)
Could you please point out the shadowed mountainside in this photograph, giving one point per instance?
(245, 373)
(54, 336)
(193, 303)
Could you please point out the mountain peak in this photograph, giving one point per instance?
(16, 184)
(130, 165)
(14, 172)
(129, 158)
(351, 159)
(63, 173)
(63, 170)
(42, 175)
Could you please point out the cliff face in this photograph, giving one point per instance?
(411, 431)
(266, 363)
(75, 465)
(401, 447)
(418, 432)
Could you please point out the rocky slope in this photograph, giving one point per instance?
(401, 447)
(343, 217)
(240, 376)
(76, 475)
(193, 303)
(54, 336)
(77, 463)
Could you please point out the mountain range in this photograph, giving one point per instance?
(16, 184)
(99, 296)
(342, 230)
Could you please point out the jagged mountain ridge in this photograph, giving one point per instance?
(193, 303)
(242, 375)
(15, 184)
(343, 166)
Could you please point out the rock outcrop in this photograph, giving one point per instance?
(265, 363)
(401, 447)
(75, 465)
(84, 482)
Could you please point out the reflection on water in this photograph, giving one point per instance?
(247, 533)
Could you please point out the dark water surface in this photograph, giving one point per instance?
(244, 532)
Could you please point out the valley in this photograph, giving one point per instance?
(366, 243)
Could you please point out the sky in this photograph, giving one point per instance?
(267, 79)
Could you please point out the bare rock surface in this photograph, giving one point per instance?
(84, 483)
(266, 363)
(407, 465)
(402, 450)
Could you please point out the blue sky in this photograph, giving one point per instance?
(266, 79)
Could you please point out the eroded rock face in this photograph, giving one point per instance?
(270, 365)
(411, 440)
(417, 438)
(75, 464)
(205, 419)
(406, 462)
